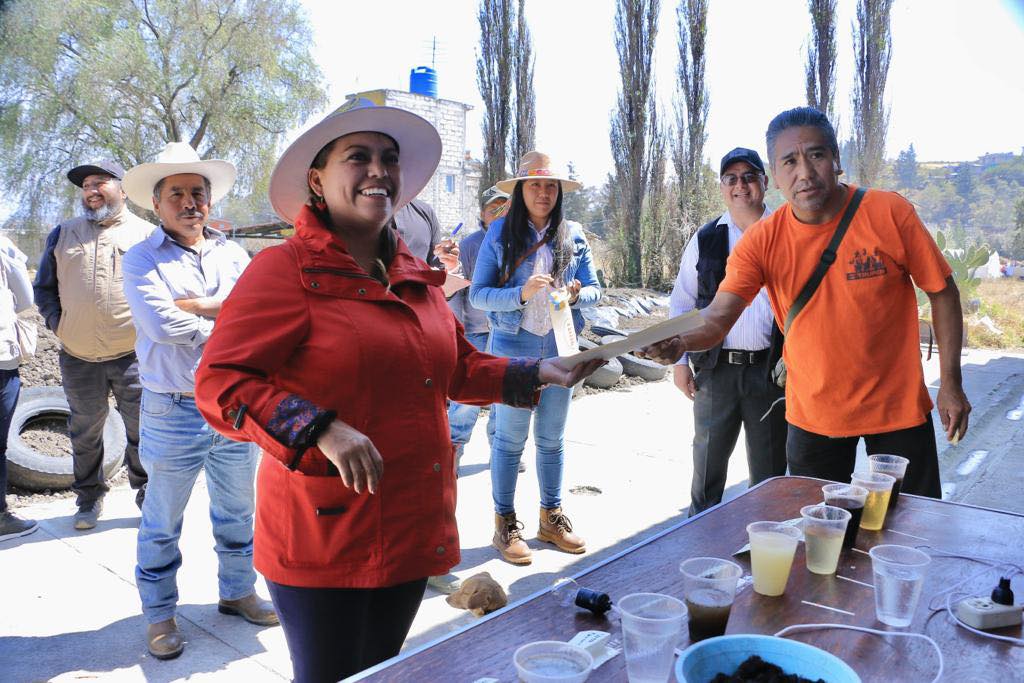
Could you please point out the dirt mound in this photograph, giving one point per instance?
(43, 369)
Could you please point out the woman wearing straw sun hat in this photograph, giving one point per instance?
(524, 255)
(335, 353)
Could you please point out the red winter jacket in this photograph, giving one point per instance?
(306, 331)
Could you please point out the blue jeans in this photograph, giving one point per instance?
(462, 418)
(10, 387)
(175, 443)
(512, 426)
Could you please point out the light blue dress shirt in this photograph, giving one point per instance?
(157, 271)
(753, 329)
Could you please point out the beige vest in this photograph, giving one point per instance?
(95, 322)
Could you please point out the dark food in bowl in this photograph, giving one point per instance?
(756, 670)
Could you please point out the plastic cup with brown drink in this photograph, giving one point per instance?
(879, 488)
(824, 529)
(851, 498)
(894, 466)
(709, 587)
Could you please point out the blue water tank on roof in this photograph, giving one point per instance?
(423, 81)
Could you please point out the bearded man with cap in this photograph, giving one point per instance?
(80, 293)
(730, 384)
(175, 282)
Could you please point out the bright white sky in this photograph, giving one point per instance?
(955, 84)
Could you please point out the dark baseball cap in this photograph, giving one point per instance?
(741, 154)
(78, 174)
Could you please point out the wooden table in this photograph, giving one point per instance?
(485, 649)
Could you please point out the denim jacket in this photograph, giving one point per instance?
(503, 304)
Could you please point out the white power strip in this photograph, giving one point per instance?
(982, 613)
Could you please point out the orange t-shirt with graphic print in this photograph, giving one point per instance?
(853, 356)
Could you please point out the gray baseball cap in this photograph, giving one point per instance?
(491, 194)
(78, 174)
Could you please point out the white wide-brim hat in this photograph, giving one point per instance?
(177, 157)
(537, 166)
(419, 149)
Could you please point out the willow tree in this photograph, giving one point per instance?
(121, 78)
(633, 125)
(872, 49)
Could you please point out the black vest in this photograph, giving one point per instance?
(712, 253)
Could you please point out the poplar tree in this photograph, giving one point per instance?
(872, 47)
(494, 80)
(696, 192)
(821, 57)
(632, 125)
(525, 122)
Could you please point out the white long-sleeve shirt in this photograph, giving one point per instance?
(753, 329)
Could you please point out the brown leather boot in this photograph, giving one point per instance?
(556, 528)
(508, 539)
(164, 640)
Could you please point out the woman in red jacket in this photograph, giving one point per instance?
(335, 353)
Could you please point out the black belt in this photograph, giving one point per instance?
(741, 357)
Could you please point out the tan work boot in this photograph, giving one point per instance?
(164, 640)
(556, 528)
(508, 539)
(251, 608)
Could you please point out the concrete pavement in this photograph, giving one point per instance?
(69, 608)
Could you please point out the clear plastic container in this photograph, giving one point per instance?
(552, 661)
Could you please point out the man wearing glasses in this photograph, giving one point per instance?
(729, 383)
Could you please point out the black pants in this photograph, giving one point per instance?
(87, 386)
(333, 633)
(10, 388)
(814, 455)
(729, 396)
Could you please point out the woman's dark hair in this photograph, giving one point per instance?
(388, 236)
(516, 238)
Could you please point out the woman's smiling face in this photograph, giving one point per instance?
(360, 181)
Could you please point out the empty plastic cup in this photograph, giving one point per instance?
(552, 661)
(709, 586)
(893, 465)
(851, 498)
(824, 529)
(899, 576)
(879, 488)
(772, 546)
(651, 624)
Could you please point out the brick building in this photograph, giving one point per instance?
(455, 188)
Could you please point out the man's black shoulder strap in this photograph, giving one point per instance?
(828, 257)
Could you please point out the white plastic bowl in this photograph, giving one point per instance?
(552, 661)
(700, 662)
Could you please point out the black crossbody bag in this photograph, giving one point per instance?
(828, 257)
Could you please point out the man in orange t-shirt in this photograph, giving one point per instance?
(852, 354)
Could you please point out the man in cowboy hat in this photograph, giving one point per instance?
(175, 282)
(80, 294)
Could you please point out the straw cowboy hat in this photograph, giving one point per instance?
(177, 157)
(419, 148)
(537, 165)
